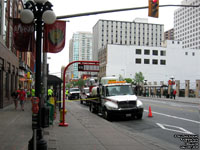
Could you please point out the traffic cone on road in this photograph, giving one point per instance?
(150, 113)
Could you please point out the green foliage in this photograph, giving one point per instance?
(80, 83)
(128, 80)
(139, 78)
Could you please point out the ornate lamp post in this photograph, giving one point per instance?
(38, 12)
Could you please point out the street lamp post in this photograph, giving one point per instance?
(38, 12)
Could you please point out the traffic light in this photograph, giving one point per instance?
(153, 8)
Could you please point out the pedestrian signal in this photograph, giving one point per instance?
(153, 8)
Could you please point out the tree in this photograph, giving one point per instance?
(139, 78)
(128, 80)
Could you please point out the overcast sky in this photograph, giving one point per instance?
(65, 7)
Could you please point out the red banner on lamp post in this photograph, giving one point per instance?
(23, 35)
(54, 37)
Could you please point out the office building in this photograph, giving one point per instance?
(138, 33)
(187, 24)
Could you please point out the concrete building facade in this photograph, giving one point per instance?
(187, 25)
(156, 63)
(138, 33)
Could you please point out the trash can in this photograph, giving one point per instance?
(51, 112)
(61, 114)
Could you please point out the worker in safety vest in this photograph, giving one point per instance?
(50, 93)
(33, 92)
(66, 92)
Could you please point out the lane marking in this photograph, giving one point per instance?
(194, 121)
(176, 128)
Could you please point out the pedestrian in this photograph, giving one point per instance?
(66, 92)
(174, 94)
(22, 98)
(15, 95)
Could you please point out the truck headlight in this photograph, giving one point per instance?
(111, 106)
(139, 104)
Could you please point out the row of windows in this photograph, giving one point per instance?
(147, 52)
(147, 61)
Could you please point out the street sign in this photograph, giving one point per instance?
(88, 67)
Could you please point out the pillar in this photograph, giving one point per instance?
(197, 93)
(177, 82)
(187, 87)
(154, 89)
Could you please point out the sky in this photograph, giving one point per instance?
(86, 23)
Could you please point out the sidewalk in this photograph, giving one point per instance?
(86, 131)
(177, 99)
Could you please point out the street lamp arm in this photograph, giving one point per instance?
(118, 10)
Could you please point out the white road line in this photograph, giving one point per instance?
(153, 112)
(174, 128)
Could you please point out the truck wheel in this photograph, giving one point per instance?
(81, 102)
(106, 114)
(92, 109)
(139, 116)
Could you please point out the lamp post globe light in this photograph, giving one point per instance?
(38, 12)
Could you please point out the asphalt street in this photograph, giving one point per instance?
(169, 119)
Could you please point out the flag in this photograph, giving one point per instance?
(22, 35)
(54, 37)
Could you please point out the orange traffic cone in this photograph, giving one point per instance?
(150, 113)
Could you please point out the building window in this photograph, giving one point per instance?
(186, 53)
(163, 62)
(162, 53)
(154, 61)
(193, 53)
(138, 51)
(138, 61)
(146, 52)
(155, 52)
(146, 61)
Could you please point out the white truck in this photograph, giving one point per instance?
(115, 98)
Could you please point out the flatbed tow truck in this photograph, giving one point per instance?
(115, 98)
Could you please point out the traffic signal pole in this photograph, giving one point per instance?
(118, 10)
(63, 123)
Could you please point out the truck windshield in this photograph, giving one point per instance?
(119, 90)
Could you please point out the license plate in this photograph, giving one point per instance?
(128, 115)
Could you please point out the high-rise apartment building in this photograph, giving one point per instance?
(139, 33)
(80, 49)
(169, 35)
(187, 24)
